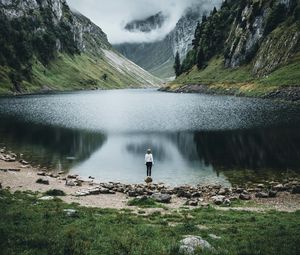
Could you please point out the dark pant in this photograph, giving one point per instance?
(149, 167)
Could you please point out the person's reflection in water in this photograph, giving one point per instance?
(149, 161)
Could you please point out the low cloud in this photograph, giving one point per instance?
(113, 15)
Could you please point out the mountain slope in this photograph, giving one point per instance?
(158, 57)
(46, 46)
(247, 48)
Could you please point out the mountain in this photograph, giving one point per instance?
(248, 48)
(46, 46)
(151, 23)
(158, 57)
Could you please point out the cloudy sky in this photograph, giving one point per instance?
(113, 15)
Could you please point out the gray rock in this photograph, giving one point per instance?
(197, 194)
(183, 193)
(41, 173)
(296, 190)
(279, 187)
(162, 198)
(131, 193)
(46, 198)
(218, 200)
(244, 196)
(72, 176)
(262, 195)
(42, 181)
(272, 193)
(190, 244)
(71, 212)
(148, 179)
(24, 162)
(191, 202)
(70, 183)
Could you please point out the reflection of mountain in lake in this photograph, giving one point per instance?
(49, 146)
(243, 149)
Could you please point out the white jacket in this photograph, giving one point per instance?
(149, 158)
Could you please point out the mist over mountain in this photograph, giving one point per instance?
(158, 57)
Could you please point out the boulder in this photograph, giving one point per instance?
(279, 187)
(191, 244)
(42, 181)
(183, 193)
(70, 183)
(296, 190)
(148, 179)
(262, 195)
(162, 198)
(218, 200)
(197, 194)
(72, 176)
(272, 193)
(244, 196)
(131, 193)
(24, 162)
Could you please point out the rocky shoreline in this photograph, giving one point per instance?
(291, 93)
(17, 174)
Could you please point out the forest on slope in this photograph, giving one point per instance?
(248, 47)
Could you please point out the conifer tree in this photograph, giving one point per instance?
(177, 65)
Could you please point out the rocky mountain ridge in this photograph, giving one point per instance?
(158, 57)
(247, 47)
(39, 35)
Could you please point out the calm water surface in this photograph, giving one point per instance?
(194, 138)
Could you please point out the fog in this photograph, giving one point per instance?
(113, 15)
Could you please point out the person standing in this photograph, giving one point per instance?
(149, 162)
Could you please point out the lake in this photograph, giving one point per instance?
(195, 139)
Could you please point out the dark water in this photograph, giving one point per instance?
(194, 138)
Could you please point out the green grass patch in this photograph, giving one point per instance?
(144, 202)
(31, 226)
(55, 192)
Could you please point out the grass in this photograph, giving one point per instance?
(145, 203)
(55, 192)
(30, 226)
(67, 73)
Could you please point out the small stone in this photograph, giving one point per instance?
(244, 196)
(162, 198)
(262, 195)
(46, 198)
(191, 202)
(41, 173)
(131, 193)
(197, 194)
(279, 187)
(42, 181)
(272, 193)
(91, 177)
(70, 183)
(260, 185)
(296, 190)
(24, 162)
(71, 212)
(72, 176)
